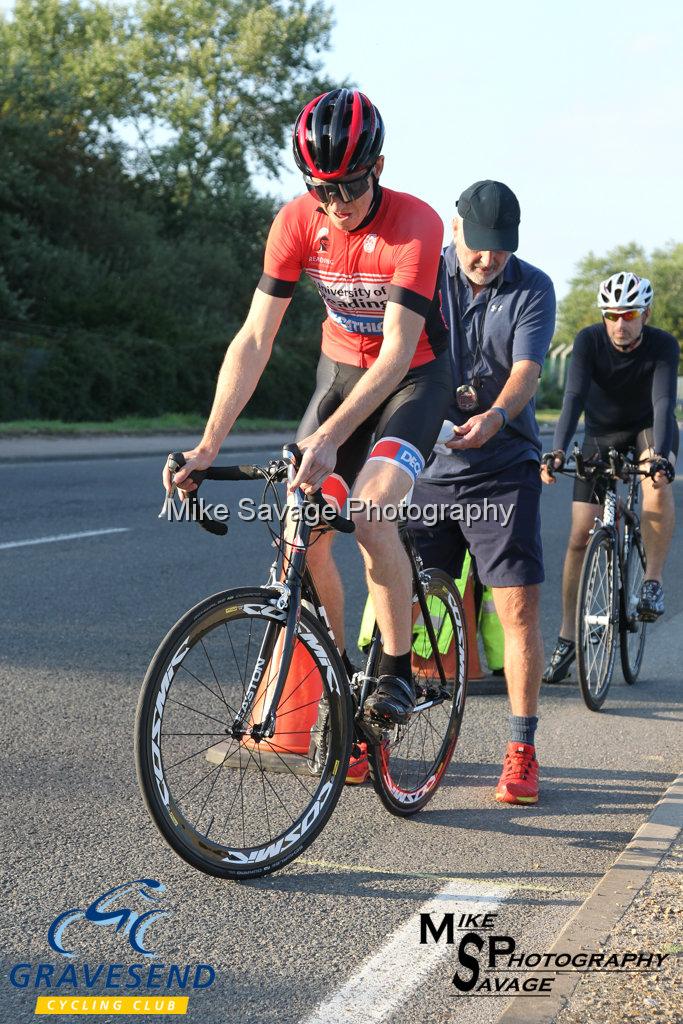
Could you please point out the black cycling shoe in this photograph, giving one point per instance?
(651, 603)
(392, 701)
(557, 669)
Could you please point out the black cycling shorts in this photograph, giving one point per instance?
(404, 427)
(593, 492)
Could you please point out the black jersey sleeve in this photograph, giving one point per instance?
(576, 390)
(664, 388)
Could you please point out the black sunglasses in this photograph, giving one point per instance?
(346, 190)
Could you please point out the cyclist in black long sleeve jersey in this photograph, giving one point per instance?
(623, 376)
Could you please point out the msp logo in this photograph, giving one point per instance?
(370, 243)
(107, 911)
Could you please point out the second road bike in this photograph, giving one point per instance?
(612, 574)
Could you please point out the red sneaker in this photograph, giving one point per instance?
(358, 767)
(519, 782)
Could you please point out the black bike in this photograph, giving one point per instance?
(247, 718)
(612, 574)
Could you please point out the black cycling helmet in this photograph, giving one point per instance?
(338, 134)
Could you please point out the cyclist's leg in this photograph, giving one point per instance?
(383, 486)
(584, 512)
(586, 505)
(658, 518)
(407, 429)
(334, 381)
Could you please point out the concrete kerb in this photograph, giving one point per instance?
(591, 925)
(127, 446)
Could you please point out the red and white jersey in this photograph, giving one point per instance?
(392, 258)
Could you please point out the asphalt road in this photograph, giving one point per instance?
(81, 620)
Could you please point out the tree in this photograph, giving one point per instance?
(220, 83)
(126, 266)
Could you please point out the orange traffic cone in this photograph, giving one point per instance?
(288, 748)
(298, 708)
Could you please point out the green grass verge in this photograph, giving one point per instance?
(170, 423)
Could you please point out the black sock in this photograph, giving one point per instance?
(398, 665)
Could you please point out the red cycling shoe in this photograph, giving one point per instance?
(519, 782)
(358, 767)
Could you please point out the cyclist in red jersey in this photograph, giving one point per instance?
(383, 381)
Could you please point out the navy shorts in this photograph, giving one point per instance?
(504, 537)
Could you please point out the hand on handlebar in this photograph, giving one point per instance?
(550, 463)
(319, 460)
(196, 458)
(661, 471)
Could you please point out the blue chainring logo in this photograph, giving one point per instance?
(104, 912)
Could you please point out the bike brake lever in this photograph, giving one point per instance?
(175, 461)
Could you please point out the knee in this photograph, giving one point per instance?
(372, 536)
(319, 554)
(520, 611)
(657, 500)
(578, 539)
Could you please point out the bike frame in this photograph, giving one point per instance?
(614, 511)
(296, 587)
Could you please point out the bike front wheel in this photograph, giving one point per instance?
(409, 762)
(596, 619)
(632, 628)
(230, 804)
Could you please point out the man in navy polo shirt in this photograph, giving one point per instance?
(501, 316)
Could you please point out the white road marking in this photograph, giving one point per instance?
(62, 536)
(387, 979)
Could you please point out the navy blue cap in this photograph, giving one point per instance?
(490, 216)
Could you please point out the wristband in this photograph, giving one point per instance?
(503, 413)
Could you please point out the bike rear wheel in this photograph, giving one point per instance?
(409, 761)
(596, 619)
(632, 628)
(232, 805)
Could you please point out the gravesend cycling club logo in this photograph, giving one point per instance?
(489, 962)
(130, 917)
(106, 911)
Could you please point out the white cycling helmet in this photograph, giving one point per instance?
(625, 291)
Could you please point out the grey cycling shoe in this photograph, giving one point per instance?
(392, 701)
(651, 603)
(557, 669)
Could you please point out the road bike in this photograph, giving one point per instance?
(612, 574)
(247, 718)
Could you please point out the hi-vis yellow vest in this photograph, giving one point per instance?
(489, 626)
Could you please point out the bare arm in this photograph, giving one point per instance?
(401, 332)
(519, 389)
(245, 361)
